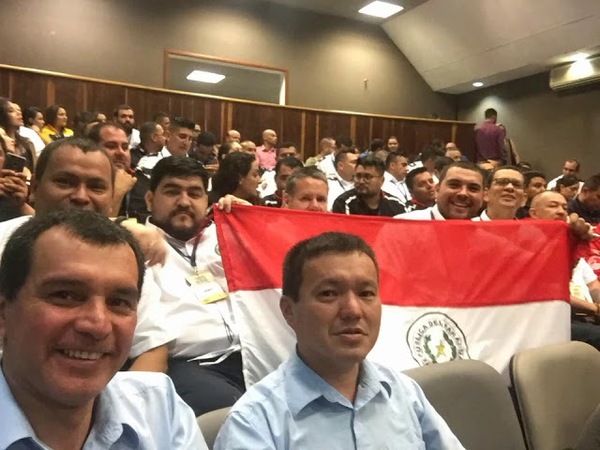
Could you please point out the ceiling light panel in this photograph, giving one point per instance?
(205, 77)
(380, 9)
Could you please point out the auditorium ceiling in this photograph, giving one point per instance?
(453, 43)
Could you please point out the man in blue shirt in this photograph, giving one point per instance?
(70, 283)
(327, 395)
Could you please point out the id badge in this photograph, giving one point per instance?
(205, 288)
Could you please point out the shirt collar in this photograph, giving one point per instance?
(484, 216)
(303, 386)
(436, 214)
(110, 421)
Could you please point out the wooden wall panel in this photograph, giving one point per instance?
(305, 127)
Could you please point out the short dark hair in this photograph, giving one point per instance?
(330, 243)
(441, 162)
(341, 156)
(51, 114)
(392, 157)
(490, 175)
(122, 107)
(87, 226)
(181, 122)
(83, 144)
(377, 144)
(467, 165)
(177, 166)
(592, 183)
(301, 174)
(289, 161)
(566, 181)
(159, 115)
(287, 144)
(343, 140)
(410, 178)
(96, 130)
(206, 138)
(490, 112)
(431, 153)
(147, 129)
(530, 175)
(371, 161)
(231, 170)
(29, 114)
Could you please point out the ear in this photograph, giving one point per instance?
(148, 197)
(284, 199)
(287, 307)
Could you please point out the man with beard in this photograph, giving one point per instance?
(125, 117)
(205, 363)
(367, 198)
(459, 195)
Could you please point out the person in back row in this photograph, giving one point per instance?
(367, 198)
(327, 395)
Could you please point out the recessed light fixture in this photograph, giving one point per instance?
(477, 84)
(380, 9)
(205, 77)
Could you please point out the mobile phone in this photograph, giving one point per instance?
(14, 162)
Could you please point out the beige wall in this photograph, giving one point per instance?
(123, 40)
(547, 127)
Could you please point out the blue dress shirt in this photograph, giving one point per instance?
(136, 410)
(294, 408)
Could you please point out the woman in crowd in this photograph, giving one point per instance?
(56, 124)
(238, 175)
(13, 186)
(568, 186)
(11, 121)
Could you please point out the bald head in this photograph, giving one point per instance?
(549, 205)
(269, 138)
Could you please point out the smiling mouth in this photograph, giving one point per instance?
(81, 355)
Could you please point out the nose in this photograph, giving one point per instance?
(462, 192)
(314, 205)
(351, 308)
(79, 195)
(93, 318)
(184, 199)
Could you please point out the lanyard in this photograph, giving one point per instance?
(190, 258)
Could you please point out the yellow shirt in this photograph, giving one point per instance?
(49, 134)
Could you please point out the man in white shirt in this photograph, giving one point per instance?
(570, 167)
(204, 358)
(459, 195)
(327, 164)
(396, 168)
(70, 283)
(342, 180)
(125, 116)
(504, 194)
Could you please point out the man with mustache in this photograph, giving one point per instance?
(125, 117)
(504, 194)
(204, 358)
(327, 395)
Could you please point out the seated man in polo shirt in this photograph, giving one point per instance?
(326, 395)
(367, 197)
(70, 284)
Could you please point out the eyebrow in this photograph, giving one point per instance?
(61, 281)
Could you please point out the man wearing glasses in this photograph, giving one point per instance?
(504, 194)
(367, 198)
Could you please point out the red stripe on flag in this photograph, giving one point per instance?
(422, 263)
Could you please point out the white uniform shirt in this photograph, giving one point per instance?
(552, 184)
(337, 186)
(431, 213)
(483, 217)
(395, 187)
(582, 275)
(134, 139)
(34, 137)
(267, 184)
(202, 331)
(327, 165)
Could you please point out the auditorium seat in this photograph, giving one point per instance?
(556, 390)
(475, 401)
(210, 423)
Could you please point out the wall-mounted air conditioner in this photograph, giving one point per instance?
(579, 73)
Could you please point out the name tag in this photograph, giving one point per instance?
(205, 288)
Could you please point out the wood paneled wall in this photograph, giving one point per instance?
(306, 127)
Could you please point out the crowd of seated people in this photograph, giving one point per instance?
(160, 180)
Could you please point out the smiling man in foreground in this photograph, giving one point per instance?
(327, 395)
(70, 283)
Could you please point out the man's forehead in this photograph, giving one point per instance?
(311, 184)
(508, 173)
(110, 133)
(64, 157)
(537, 180)
(463, 175)
(184, 182)
(126, 112)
